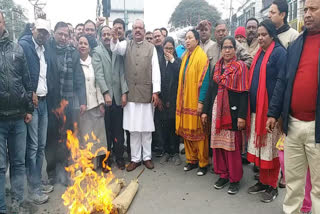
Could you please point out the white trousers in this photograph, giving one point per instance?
(140, 142)
(301, 152)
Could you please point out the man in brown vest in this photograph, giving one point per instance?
(142, 73)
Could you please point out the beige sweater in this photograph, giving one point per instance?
(288, 36)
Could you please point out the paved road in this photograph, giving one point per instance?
(168, 189)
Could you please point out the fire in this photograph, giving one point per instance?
(89, 192)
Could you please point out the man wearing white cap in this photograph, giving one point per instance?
(36, 55)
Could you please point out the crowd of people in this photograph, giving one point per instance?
(251, 98)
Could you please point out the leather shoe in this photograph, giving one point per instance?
(120, 164)
(148, 164)
(132, 166)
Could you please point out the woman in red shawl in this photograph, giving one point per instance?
(227, 97)
(267, 64)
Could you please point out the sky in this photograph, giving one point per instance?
(76, 11)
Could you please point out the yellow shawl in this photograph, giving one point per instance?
(188, 123)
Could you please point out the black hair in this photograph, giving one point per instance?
(230, 38)
(196, 34)
(283, 8)
(221, 22)
(165, 29)
(90, 21)
(170, 40)
(271, 28)
(157, 29)
(69, 24)
(60, 25)
(91, 41)
(148, 32)
(252, 19)
(105, 26)
(120, 21)
(78, 25)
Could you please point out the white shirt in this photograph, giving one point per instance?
(94, 95)
(42, 89)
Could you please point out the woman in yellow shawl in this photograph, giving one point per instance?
(193, 85)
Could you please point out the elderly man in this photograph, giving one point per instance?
(36, 54)
(143, 77)
(278, 13)
(16, 109)
(252, 45)
(65, 82)
(109, 71)
(297, 99)
(204, 28)
(222, 31)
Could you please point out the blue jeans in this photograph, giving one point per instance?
(36, 143)
(13, 134)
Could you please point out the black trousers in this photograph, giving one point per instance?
(114, 130)
(157, 142)
(56, 151)
(168, 137)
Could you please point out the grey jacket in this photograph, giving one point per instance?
(109, 72)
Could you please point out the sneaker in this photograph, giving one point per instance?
(269, 195)
(190, 166)
(159, 154)
(15, 207)
(38, 198)
(46, 189)
(257, 188)
(202, 171)
(221, 182)
(282, 183)
(165, 158)
(234, 188)
(177, 159)
(257, 176)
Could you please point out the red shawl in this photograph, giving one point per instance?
(262, 96)
(234, 78)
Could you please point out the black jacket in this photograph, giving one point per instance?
(15, 85)
(281, 99)
(238, 104)
(53, 77)
(33, 60)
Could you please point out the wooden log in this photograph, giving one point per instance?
(124, 200)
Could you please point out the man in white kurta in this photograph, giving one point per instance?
(142, 73)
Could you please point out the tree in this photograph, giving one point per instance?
(14, 17)
(190, 12)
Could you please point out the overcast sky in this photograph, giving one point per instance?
(156, 12)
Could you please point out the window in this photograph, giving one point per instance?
(295, 9)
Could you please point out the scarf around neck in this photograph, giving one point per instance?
(234, 78)
(283, 28)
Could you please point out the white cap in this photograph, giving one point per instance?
(43, 24)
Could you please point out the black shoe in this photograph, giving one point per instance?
(183, 151)
(190, 166)
(121, 164)
(257, 188)
(159, 154)
(221, 182)
(269, 195)
(245, 161)
(257, 177)
(202, 171)
(255, 169)
(234, 188)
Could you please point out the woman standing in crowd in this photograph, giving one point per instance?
(92, 120)
(267, 64)
(193, 85)
(227, 98)
(167, 107)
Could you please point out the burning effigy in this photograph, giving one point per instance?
(92, 192)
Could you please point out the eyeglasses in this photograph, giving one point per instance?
(227, 47)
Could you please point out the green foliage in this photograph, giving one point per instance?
(190, 12)
(19, 19)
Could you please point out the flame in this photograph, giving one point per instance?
(59, 113)
(89, 192)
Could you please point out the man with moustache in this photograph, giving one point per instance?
(252, 45)
(109, 71)
(297, 99)
(144, 82)
(221, 30)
